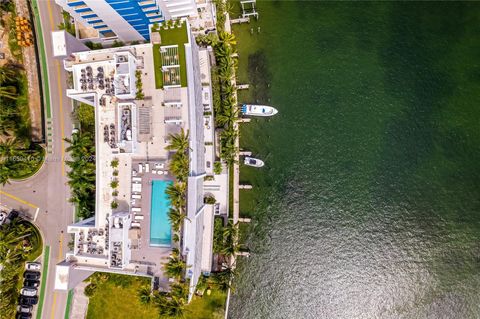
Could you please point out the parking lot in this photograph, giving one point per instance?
(29, 293)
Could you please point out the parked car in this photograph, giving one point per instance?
(24, 309)
(28, 301)
(23, 315)
(28, 292)
(31, 275)
(31, 283)
(33, 266)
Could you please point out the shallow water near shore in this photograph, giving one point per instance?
(369, 204)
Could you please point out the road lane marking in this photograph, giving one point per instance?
(54, 302)
(18, 199)
(60, 248)
(59, 259)
(50, 14)
(62, 124)
(60, 91)
(36, 214)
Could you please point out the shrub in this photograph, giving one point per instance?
(85, 114)
(114, 205)
(117, 44)
(94, 46)
(114, 163)
(90, 290)
(217, 168)
(114, 184)
(209, 200)
(115, 173)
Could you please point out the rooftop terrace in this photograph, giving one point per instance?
(169, 54)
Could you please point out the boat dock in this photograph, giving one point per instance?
(243, 86)
(245, 186)
(244, 120)
(240, 20)
(243, 253)
(244, 220)
(245, 153)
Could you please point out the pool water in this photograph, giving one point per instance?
(160, 227)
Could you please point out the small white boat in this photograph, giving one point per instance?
(254, 162)
(258, 110)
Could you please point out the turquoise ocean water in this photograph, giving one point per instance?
(369, 204)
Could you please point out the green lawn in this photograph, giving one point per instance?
(69, 304)
(46, 257)
(171, 36)
(207, 307)
(157, 63)
(37, 243)
(117, 298)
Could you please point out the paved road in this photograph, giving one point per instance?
(44, 197)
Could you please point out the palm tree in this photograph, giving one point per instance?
(5, 174)
(179, 290)
(176, 193)
(223, 280)
(10, 147)
(145, 295)
(8, 92)
(175, 307)
(175, 267)
(179, 166)
(176, 218)
(178, 142)
(227, 38)
(228, 117)
(7, 73)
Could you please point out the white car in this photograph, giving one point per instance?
(28, 292)
(33, 266)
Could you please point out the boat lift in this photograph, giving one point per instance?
(248, 8)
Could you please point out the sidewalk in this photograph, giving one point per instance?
(80, 302)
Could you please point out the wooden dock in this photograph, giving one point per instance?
(244, 153)
(244, 120)
(243, 86)
(240, 20)
(244, 220)
(245, 186)
(243, 253)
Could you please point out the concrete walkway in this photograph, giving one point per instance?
(79, 302)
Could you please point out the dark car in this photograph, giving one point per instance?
(24, 309)
(23, 315)
(31, 275)
(31, 283)
(28, 301)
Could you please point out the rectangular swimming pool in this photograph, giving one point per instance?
(160, 227)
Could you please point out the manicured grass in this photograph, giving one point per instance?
(36, 162)
(207, 307)
(115, 299)
(46, 257)
(37, 243)
(69, 304)
(171, 36)
(157, 63)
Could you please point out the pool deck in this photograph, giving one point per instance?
(154, 256)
